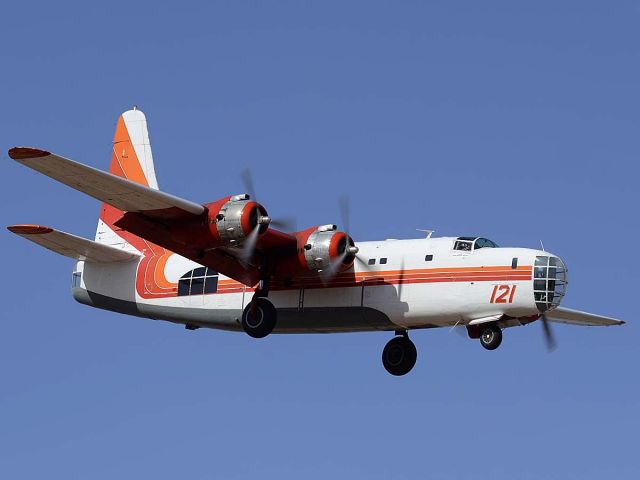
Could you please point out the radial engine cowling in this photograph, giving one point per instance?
(328, 250)
(234, 219)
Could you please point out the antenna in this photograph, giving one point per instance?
(428, 232)
(542, 246)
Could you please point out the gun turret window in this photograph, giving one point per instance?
(198, 281)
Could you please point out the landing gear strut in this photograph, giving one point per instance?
(491, 337)
(399, 355)
(259, 316)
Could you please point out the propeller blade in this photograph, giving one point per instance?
(249, 246)
(401, 278)
(344, 204)
(548, 334)
(327, 274)
(286, 223)
(247, 180)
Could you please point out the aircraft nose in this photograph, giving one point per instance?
(549, 281)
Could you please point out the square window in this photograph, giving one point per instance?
(372, 261)
(199, 272)
(211, 284)
(428, 258)
(542, 261)
(514, 263)
(183, 287)
(383, 261)
(197, 286)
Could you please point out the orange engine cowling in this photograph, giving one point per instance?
(320, 249)
(232, 220)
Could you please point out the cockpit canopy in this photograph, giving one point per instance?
(467, 244)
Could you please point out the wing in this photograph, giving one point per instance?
(72, 246)
(123, 194)
(147, 213)
(576, 317)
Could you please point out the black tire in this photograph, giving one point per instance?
(491, 337)
(399, 356)
(265, 321)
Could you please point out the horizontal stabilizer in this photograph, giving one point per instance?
(576, 317)
(72, 246)
(122, 193)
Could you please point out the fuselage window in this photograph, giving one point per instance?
(514, 263)
(372, 261)
(198, 281)
(428, 258)
(383, 261)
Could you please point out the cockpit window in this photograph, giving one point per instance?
(466, 244)
(463, 245)
(485, 243)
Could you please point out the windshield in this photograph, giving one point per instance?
(485, 243)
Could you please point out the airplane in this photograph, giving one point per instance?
(223, 265)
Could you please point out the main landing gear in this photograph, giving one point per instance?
(259, 318)
(399, 355)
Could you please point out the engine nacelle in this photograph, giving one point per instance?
(233, 219)
(326, 248)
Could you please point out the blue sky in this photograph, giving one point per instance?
(515, 122)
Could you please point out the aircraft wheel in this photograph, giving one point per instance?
(491, 337)
(260, 321)
(399, 356)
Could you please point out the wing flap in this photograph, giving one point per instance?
(72, 246)
(576, 317)
(123, 194)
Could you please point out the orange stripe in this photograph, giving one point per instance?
(396, 277)
(520, 272)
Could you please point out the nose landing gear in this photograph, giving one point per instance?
(399, 355)
(491, 337)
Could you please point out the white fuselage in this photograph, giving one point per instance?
(403, 284)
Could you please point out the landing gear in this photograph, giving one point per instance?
(399, 355)
(259, 318)
(491, 337)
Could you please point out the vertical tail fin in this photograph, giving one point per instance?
(131, 158)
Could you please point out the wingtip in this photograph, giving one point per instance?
(23, 153)
(29, 229)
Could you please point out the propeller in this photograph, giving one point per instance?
(285, 223)
(548, 333)
(327, 274)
